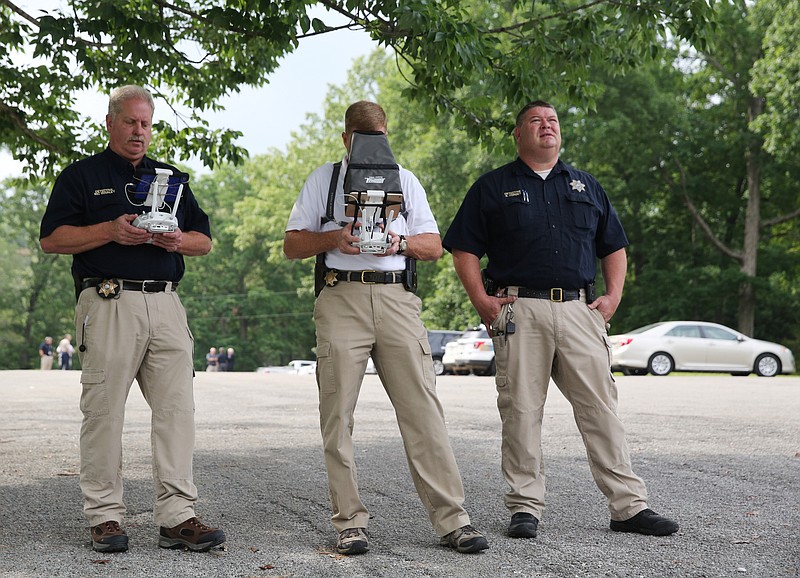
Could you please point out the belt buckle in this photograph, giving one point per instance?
(366, 282)
(557, 291)
(144, 286)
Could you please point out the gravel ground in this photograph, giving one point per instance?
(720, 454)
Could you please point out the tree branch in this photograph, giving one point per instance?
(14, 8)
(16, 118)
(724, 249)
(780, 219)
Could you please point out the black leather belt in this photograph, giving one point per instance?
(143, 286)
(368, 277)
(555, 294)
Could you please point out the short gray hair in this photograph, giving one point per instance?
(128, 92)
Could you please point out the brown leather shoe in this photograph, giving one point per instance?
(192, 534)
(109, 537)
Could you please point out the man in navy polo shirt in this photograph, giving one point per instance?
(543, 224)
(130, 324)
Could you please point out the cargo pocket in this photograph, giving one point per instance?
(503, 394)
(94, 399)
(325, 375)
(428, 373)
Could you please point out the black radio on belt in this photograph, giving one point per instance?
(488, 283)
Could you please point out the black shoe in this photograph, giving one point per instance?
(523, 525)
(466, 540)
(646, 522)
(109, 537)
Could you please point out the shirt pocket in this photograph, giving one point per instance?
(517, 212)
(582, 210)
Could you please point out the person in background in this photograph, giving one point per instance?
(46, 354)
(222, 359)
(65, 351)
(543, 225)
(211, 360)
(231, 359)
(131, 325)
(365, 309)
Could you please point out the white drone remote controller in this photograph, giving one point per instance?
(372, 239)
(157, 221)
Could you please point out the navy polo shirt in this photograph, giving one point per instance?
(92, 191)
(537, 233)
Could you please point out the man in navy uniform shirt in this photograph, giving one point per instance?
(130, 324)
(543, 224)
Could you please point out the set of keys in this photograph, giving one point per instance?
(510, 327)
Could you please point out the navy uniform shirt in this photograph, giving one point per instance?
(92, 191)
(537, 233)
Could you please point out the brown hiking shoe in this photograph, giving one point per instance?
(466, 540)
(109, 537)
(352, 541)
(192, 534)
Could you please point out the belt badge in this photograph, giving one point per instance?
(107, 288)
(331, 278)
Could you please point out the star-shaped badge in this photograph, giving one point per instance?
(331, 278)
(577, 185)
(107, 288)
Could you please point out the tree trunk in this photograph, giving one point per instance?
(747, 293)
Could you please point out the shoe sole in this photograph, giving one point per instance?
(114, 545)
(476, 545)
(522, 531)
(619, 527)
(354, 549)
(173, 543)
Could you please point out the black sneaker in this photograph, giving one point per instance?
(192, 534)
(466, 540)
(646, 522)
(352, 541)
(109, 537)
(523, 525)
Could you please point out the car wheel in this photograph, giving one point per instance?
(767, 365)
(489, 370)
(660, 363)
(438, 366)
(633, 371)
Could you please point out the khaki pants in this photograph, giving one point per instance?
(353, 320)
(568, 341)
(142, 336)
(46, 362)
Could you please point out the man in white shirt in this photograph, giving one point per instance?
(365, 309)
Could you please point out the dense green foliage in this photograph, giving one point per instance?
(471, 58)
(674, 142)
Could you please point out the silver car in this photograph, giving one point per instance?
(661, 348)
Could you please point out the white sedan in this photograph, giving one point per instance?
(661, 348)
(296, 366)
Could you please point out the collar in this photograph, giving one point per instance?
(122, 165)
(520, 168)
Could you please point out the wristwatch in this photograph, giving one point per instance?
(403, 246)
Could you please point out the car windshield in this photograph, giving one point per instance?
(646, 327)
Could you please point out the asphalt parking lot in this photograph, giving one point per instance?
(720, 454)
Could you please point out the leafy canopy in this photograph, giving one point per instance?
(479, 59)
